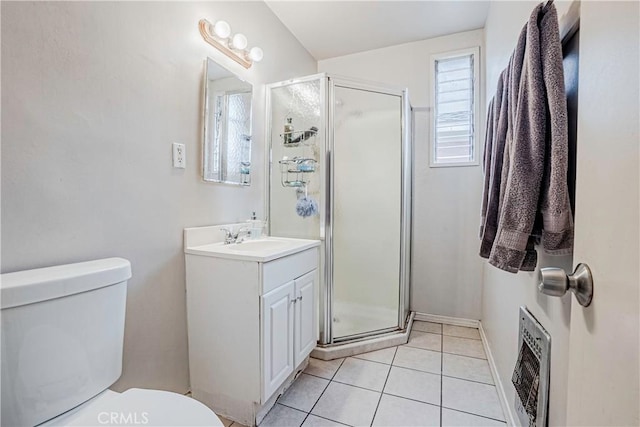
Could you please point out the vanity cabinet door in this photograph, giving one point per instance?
(305, 313)
(277, 320)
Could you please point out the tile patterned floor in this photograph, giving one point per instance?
(439, 378)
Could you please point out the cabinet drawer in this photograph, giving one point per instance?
(279, 271)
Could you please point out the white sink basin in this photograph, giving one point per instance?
(261, 250)
(257, 245)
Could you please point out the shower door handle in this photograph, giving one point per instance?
(555, 282)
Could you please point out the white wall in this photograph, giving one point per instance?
(504, 293)
(93, 95)
(446, 269)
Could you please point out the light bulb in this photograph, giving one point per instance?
(239, 41)
(256, 54)
(222, 29)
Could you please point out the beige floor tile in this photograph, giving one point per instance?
(425, 340)
(434, 328)
(461, 331)
(314, 421)
(418, 358)
(304, 392)
(463, 347)
(282, 416)
(348, 405)
(475, 398)
(451, 418)
(362, 373)
(416, 385)
(323, 368)
(395, 411)
(467, 368)
(383, 356)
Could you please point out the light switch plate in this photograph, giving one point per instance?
(179, 156)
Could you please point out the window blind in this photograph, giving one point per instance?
(454, 110)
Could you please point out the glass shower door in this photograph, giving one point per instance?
(367, 210)
(302, 102)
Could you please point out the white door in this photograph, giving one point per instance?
(604, 365)
(305, 324)
(277, 320)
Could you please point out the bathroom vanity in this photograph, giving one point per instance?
(252, 319)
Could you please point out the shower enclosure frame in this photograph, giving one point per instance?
(328, 83)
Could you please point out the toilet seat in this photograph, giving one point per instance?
(138, 407)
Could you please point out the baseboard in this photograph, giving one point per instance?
(455, 321)
(506, 408)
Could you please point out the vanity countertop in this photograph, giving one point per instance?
(259, 250)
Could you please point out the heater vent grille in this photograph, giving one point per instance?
(526, 379)
(531, 374)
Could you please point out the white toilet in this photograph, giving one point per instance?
(62, 338)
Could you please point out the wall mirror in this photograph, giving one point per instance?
(227, 127)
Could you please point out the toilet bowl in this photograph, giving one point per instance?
(62, 342)
(138, 407)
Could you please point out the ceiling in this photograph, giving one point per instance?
(334, 28)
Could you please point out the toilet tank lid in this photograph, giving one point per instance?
(42, 284)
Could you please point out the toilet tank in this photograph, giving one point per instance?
(62, 337)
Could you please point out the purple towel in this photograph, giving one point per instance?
(555, 206)
(532, 200)
(494, 151)
(486, 168)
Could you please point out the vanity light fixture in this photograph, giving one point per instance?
(234, 46)
(239, 41)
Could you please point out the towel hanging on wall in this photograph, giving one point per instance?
(526, 185)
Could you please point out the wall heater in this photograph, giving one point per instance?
(531, 374)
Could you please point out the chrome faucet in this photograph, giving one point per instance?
(231, 237)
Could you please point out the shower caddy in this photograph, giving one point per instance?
(294, 172)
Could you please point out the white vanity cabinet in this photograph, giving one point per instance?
(288, 329)
(252, 322)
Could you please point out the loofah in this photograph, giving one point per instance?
(306, 207)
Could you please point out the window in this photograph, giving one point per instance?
(455, 108)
